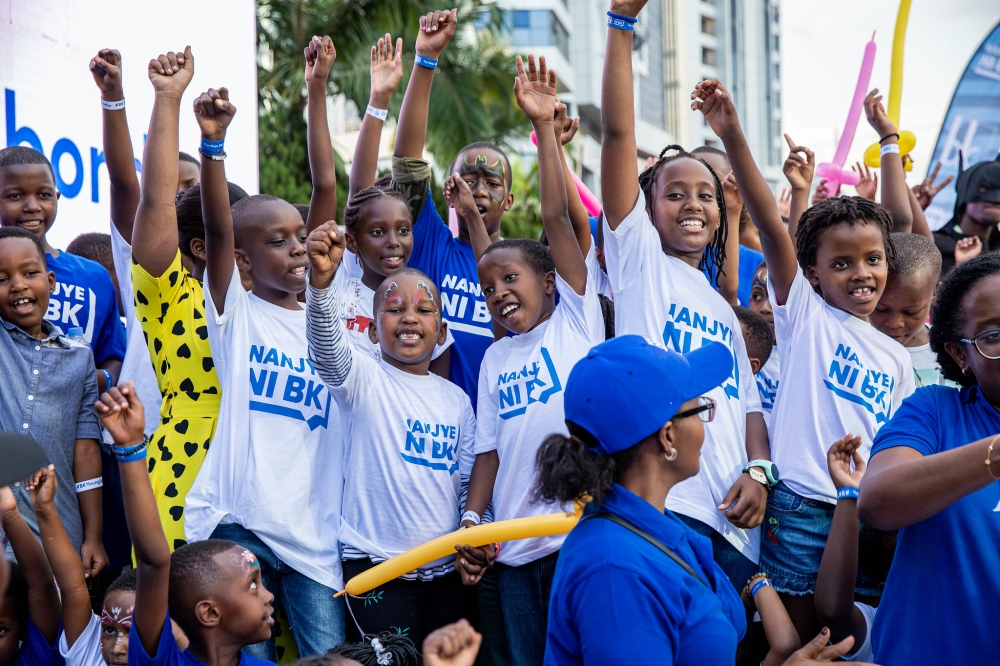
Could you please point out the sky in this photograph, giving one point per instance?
(821, 51)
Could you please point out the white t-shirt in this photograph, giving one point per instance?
(521, 384)
(407, 441)
(767, 384)
(86, 651)
(865, 653)
(275, 466)
(136, 366)
(597, 274)
(357, 308)
(926, 369)
(671, 304)
(839, 375)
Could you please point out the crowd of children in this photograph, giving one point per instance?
(245, 403)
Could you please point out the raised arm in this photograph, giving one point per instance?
(920, 225)
(728, 276)
(386, 73)
(715, 102)
(118, 156)
(331, 354)
(895, 193)
(61, 555)
(619, 180)
(43, 597)
(122, 415)
(798, 168)
(214, 112)
(155, 238)
(320, 55)
(565, 129)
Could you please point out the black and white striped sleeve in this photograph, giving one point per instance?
(330, 352)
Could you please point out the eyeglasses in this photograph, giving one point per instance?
(987, 343)
(705, 409)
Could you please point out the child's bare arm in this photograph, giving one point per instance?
(118, 156)
(43, 597)
(155, 238)
(472, 560)
(728, 276)
(920, 225)
(214, 112)
(62, 556)
(781, 635)
(122, 415)
(386, 73)
(320, 54)
(895, 197)
(799, 167)
(87, 466)
(565, 128)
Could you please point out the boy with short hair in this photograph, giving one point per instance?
(769, 374)
(83, 295)
(757, 336)
(47, 392)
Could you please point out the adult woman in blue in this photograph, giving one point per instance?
(933, 475)
(634, 584)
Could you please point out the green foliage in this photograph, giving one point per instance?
(524, 219)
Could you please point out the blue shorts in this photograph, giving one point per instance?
(792, 540)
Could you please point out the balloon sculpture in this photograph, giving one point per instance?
(907, 140)
(480, 535)
(834, 172)
(590, 202)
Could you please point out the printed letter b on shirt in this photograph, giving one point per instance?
(432, 445)
(848, 379)
(288, 387)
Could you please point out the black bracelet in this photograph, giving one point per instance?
(888, 135)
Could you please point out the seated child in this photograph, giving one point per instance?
(769, 374)
(903, 310)
(82, 294)
(57, 376)
(407, 435)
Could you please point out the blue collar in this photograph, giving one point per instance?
(660, 524)
(48, 329)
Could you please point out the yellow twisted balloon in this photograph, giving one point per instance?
(907, 140)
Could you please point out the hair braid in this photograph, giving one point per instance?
(355, 209)
(401, 649)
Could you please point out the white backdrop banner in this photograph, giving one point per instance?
(50, 101)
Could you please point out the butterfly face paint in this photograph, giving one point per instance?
(117, 616)
(424, 290)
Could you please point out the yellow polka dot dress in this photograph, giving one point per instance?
(171, 310)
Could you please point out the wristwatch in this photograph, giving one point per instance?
(768, 477)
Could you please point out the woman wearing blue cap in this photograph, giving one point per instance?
(634, 584)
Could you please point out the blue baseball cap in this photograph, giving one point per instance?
(625, 389)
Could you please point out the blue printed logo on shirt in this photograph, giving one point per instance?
(286, 386)
(686, 326)
(520, 388)
(464, 306)
(66, 308)
(767, 388)
(433, 445)
(850, 380)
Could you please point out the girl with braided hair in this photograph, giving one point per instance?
(839, 374)
(662, 228)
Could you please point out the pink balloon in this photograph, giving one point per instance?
(834, 172)
(590, 202)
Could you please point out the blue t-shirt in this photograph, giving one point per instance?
(750, 259)
(618, 599)
(86, 297)
(167, 653)
(451, 263)
(36, 651)
(941, 599)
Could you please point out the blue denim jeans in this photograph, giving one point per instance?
(737, 567)
(524, 600)
(316, 618)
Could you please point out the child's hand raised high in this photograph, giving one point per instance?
(839, 458)
(714, 101)
(386, 67)
(535, 90)
(41, 486)
(967, 248)
(868, 183)
(876, 115)
(171, 73)
(325, 248)
(214, 112)
(799, 166)
(627, 7)
(122, 414)
(458, 194)
(565, 127)
(734, 199)
(106, 70)
(320, 54)
(436, 30)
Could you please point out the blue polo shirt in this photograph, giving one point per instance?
(941, 600)
(168, 654)
(750, 259)
(36, 651)
(618, 599)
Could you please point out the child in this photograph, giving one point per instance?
(408, 437)
(661, 230)
(839, 374)
(770, 373)
(29, 606)
(835, 604)
(97, 248)
(518, 407)
(757, 336)
(83, 295)
(902, 311)
(213, 588)
(188, 172)
(48, 392)
(278, 421)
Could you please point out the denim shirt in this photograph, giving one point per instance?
(48, 391)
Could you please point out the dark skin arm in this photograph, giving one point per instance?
(114, 368)
(565, 128)
(386, 73)
(86, 466)
(319, 55)
(155, 238)
(61, 555)
(729, 276)
(472, 561)
(118, 156)
(799, 168)
(43, 597)
(895, 193)
(920, 225)
(782, 637)
(122, 415)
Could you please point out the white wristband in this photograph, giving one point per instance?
(113, 106)
(381, 114)
(889, 148)
(471, 516)
(84, 486)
